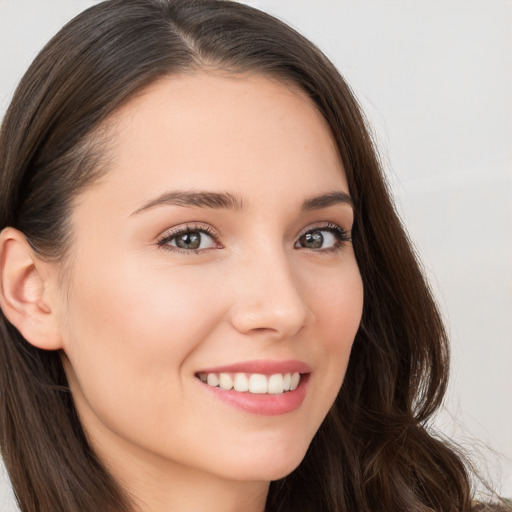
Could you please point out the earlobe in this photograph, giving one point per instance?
(22, 291)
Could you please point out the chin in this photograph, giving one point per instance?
(274, 466)
(280, 471)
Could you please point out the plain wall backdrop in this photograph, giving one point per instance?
(435, 80)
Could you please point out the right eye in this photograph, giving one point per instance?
(188, 239)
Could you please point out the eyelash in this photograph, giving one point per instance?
(342, 237)
(165, 239)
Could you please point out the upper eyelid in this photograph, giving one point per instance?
(215, 234)
(342, 236)
(324, 225)
(171, 233)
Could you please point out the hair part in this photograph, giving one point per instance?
(374, 450)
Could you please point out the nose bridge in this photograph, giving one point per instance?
(269, 297)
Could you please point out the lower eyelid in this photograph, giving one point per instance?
(341, 235)
(163, 241)
(341, 238)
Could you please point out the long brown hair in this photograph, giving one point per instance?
(374, 451)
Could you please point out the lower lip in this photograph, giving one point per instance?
(263, 404)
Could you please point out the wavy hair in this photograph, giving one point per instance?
(374, 451)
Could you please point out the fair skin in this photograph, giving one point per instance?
(270, 286)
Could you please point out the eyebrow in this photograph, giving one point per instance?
(225, 200)
(195, 198)
(326, 200)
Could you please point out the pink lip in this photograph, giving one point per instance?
(265, 367)
(264, 404)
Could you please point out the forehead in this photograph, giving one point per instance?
(248, 133)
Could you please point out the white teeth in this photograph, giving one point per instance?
(258, 383)
(253, 383)
(276, 384)
(287, 382)
(241, 382)
(295, 381)
(225, 381)
(212, 380)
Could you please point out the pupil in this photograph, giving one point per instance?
(189, 241)
(313, 240)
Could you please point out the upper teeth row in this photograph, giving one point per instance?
(253, 383)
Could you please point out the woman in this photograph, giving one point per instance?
(208, 301)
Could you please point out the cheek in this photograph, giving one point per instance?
(337, 303)
(143, 308)
(130, 332)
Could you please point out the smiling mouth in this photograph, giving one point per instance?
(255, 383)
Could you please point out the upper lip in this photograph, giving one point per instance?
(265, 367)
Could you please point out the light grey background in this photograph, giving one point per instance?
(435, 79)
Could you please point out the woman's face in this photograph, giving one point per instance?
(217, 247)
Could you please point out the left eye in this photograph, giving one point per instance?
(323, 238)
(191, 240)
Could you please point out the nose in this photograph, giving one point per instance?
(268, 298)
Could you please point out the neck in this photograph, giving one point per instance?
(184, 492)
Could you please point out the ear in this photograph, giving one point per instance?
(23, 291)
